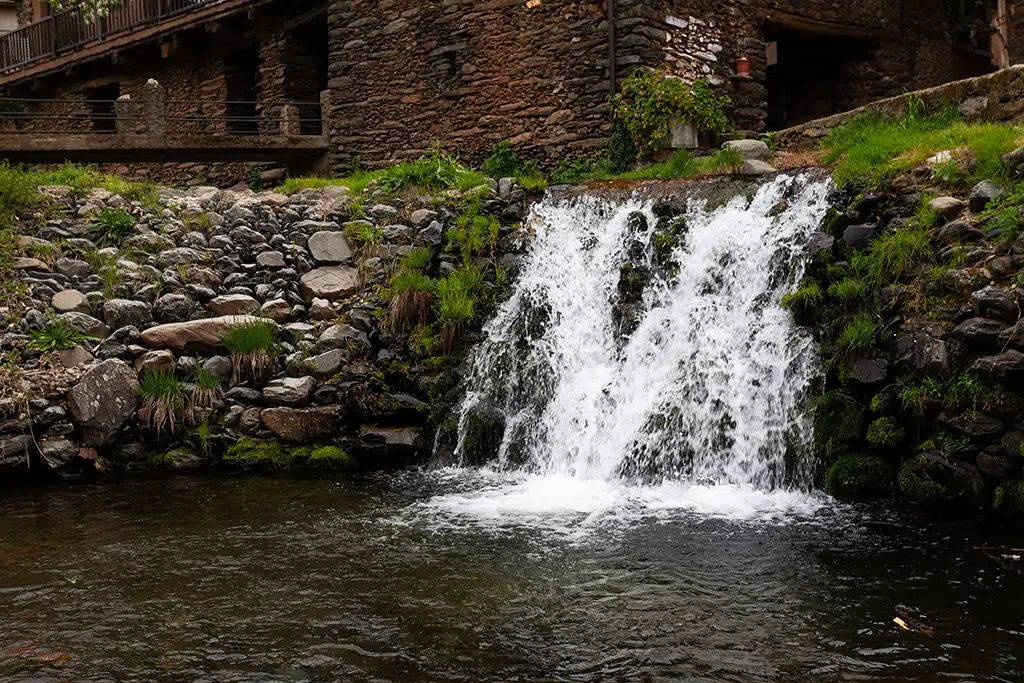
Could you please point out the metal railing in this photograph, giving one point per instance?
(73, 27)
(175, 118)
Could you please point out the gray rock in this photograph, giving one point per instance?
(289, 391)
(71, 300)
(389, 446)
(923, 354)
(421, 218)
(343, 335)
(996, 303)
(329, 247)
(303, 425)
(103, 401)
(72, 358)
(983, 193)
(173, 308)
(220, 366)
(331, 283)
(249, 423)
(995, 466)
(153, 361)
(869, 371)
(755, 168)
(980, 332)
(179, 257)
(320, 309)
(58, 453)
(119, 313)
(72, 268)
(24, 263)
(948, 208)
(277, 310)
(820, 241)
(960, 231)
(750, 149)
(14, 451)
(86, 324)
(325, 365)
(1015, 159)
(270, 259)
(193, 335)
(233, 305)
(244, 395)
(974, 425)
(858, 235)
(1007, 365)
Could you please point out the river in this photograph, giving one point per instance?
(404, 578)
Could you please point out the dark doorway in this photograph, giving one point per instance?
(101, 107)
(306, 72)
(241, 73)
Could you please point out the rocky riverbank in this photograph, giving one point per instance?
(207, 328)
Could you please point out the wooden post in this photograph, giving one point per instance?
(1001, 36)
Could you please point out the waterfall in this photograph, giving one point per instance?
(649, 346)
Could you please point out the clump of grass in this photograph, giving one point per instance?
(254, 348)
(858, 337)
(962, 391)
(18, 191)
(683, 164)
(144, 193)
(58, 336)
(871, 148)
(473, 235)
(849, 292)
(411, 295)
(893, 255)
(111, 227)
(804, 301)
(433, 172)
(163, 400)
(418, 260)
(455, 310)
(207, 393)
(366, 235)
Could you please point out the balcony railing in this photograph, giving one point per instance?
(75, 26)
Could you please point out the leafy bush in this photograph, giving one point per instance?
(58, 336)
(111, 227)
(163, 400)
(651, 101)
(254, 348)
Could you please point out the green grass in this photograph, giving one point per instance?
(683, 165)
(111, 227)
(849, 292)
(455, 309)
(18, 191)
(805, 300)
(411, 296)
(963, 391)
(254, 348)
(871, 149)
(893, 255)
(206, 394)
(418, 260)
(858, 337)
(473, 235)
(365, 235)
(58, 336)
(163, 400)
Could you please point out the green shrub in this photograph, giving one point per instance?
(254, 349)
(111, 227)
(885, 432)
(573, 170)
(163, 400)
(18, 191)
(858, 337)
(622, 151)
(649, 102)
(858, 478)
(502, 161)
(58, 336)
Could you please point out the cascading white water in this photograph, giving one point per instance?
(706, 390)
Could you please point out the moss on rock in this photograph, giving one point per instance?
(329, 457)
(248, 451)
(918, 480)
(858, 478)
(838, 419)
(885, 432)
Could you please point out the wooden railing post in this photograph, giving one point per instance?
(154, 105)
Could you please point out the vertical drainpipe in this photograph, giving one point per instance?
(613, 86)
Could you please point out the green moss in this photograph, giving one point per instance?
(918, 484)
(804, 302)
(1010, 496)
(858, 477)
(885, 432)
(838, 418)
(882, 403)
(258, 451)
(329, 457)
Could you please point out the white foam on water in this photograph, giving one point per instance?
(698, 410)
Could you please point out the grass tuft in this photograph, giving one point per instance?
(254, 348)
(163, 400)
(411, 295)
(58, 336)
(111, 227)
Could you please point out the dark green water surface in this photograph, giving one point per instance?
(263, 579)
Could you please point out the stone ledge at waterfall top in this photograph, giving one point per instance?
(104, 335)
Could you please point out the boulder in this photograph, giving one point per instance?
(983, 193)
(858, 235)
(14, 451)
(995, 303)
(330, 283)
(71, 358)
(320, 309)
(995, 466)
(975, 425)
(754, 167)
(86, 324)
(947, 208)
(233, 305)
(193, 335)
(179, 257)
(289, 391)
(750, 149)
(343, 335)
(422, 218)
(980, 332)
(24, 263)
(277, 310)
(57, 453)
(960, 232)
(1014, 160)
(868, 371)
(329, 247)
(1007, 365)
(173, 308)
(325, 365)
(72, 268)
(154, 361)
(70, 300)
(389, 446)
(118, 313)
(303, 425)
(270, 259)
(103, 401)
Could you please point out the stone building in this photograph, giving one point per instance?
(403, 75)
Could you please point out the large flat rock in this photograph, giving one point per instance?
(330, 283)
(303, 425)
(193, 335)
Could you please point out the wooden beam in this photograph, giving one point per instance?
(799, 24)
